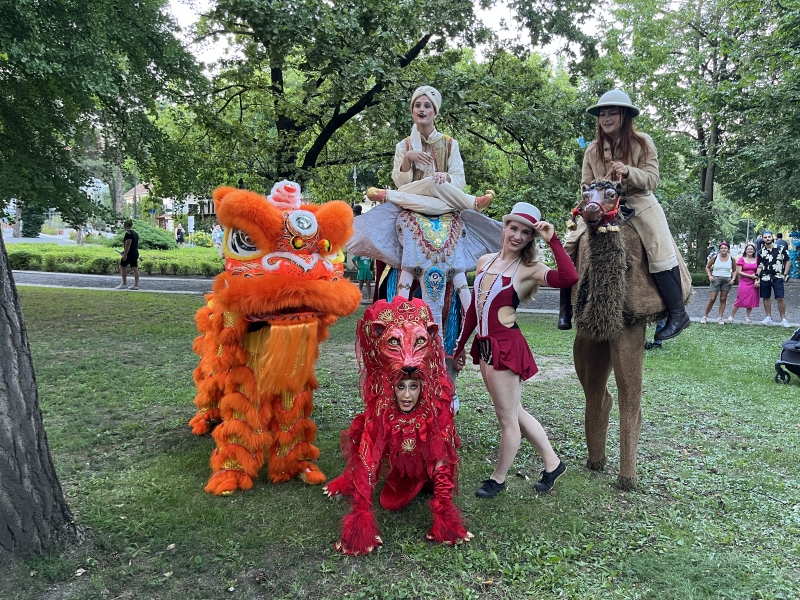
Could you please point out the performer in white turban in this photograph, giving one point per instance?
(428, 170)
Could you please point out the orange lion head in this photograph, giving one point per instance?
(283, 258)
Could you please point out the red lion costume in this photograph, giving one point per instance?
(400, 341)
(261, 329)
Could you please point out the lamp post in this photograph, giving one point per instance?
(135, 184)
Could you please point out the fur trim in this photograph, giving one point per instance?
(448, 524)
(270, 294)
(228, 481)
(250, 212)
(335, 220)
(602, 288)
(360, 533)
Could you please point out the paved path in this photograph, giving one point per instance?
(546, 300)
(61, 240)
(170, 285)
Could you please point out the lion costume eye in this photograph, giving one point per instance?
(420, 341)
(393, 342)
(241, 245)
(302, 223)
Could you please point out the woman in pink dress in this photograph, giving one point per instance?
(747, 297)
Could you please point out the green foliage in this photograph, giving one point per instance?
(700, 278)
(312, 88)
(150, 238)
(717, 79)
(201, 239)
(70, 69)
(714, 516)
(33, 218)
(194, 262)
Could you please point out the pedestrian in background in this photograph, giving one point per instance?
(773, 269)
(722, 276)
(364, 275)
(130, 257)
(747, 296)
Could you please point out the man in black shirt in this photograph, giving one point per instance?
(130, 257)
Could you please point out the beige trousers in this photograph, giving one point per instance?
(651, 225)
(429, 198)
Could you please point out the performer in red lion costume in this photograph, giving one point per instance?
(406, 427)
(261, 329)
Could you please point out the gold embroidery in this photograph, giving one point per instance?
(408, 445)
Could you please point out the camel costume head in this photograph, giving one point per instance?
(282, 288)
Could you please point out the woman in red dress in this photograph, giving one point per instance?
(500, 348)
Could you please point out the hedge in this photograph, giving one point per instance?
(187, 262)
(150, 238)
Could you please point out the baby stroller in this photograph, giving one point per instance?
(790, 359)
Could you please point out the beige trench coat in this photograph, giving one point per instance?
(649, 219)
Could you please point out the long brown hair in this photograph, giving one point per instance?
(627, 137)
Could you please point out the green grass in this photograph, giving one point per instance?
(717, 514)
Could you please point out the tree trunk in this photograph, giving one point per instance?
(118, 189)
(33, 512)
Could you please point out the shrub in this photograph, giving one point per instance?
(24, 260)
(46, 229)
(191, 262)
(32, 220)
(700, 279)
(101, 265)
(201, 239)
(147, 265)
(210, 269)
(150, 238)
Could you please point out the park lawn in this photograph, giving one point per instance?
(717, 513)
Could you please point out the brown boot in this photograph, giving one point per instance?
(485, 201)
(669, 286)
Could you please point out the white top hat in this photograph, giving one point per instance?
(613, 98)
(524, 213)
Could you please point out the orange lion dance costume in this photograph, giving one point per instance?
(400, 341)
(260, 333)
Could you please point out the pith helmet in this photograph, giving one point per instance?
(613, 98)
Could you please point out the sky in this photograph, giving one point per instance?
(186, 12)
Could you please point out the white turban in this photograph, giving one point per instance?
(436, 98)
(430, 92)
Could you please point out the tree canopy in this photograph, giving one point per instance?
(73, 70)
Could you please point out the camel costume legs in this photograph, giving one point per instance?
(593, 364)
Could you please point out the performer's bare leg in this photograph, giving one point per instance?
(404, 285)
(462, 287)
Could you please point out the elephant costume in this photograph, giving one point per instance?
(436, 249)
